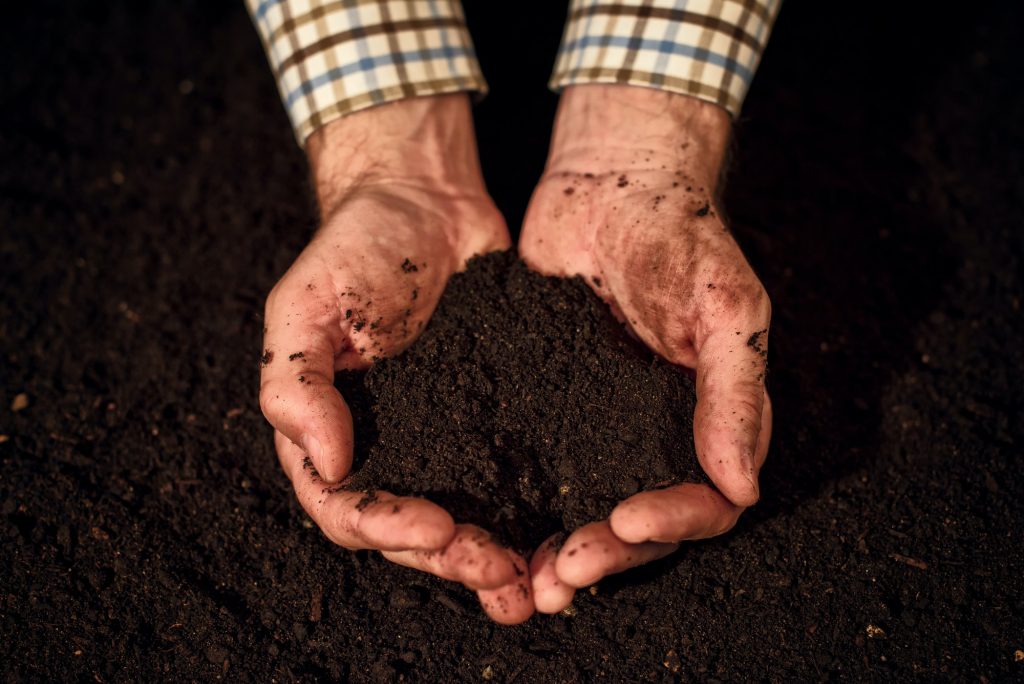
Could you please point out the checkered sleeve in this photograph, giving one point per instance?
(335, 57)
(706, 48)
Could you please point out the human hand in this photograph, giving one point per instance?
(403, 206)
(628, 201)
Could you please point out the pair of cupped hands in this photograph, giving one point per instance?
(628, 202)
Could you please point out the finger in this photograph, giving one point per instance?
(297, 391)
(730, 403)
(550, 594)
(686, 511)
(511, 603)
(471, 557)
(593, 551)
(358, 520)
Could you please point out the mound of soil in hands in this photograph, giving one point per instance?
(524, 408)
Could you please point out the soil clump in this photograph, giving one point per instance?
(524, 408)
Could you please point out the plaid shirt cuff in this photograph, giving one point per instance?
(332, 58)
(705, 48)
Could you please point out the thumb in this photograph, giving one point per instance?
(297, 391)
(727, 423)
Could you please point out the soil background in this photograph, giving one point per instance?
(151, 193)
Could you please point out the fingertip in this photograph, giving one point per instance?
(512, 603)
(393, 523)
(313, 415)
(331, 441)
(331, 465)
(552, 599)
(508, 605)
(481, 564)
(741, 489)
(315, 451)
(630, 524)
(754, 493)
(729, 462)
(550, 594)
(494, 573)
(501, 612)
(587, 555)
(574, 574)
(433, 529)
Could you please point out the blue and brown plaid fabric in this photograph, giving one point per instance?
(706, 48)
(334, 57)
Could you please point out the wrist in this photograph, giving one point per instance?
(424, 142)
(621, 127)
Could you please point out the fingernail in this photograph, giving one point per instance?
(748, 471)
(311, 445)
(753, 485)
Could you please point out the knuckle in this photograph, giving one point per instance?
(271, 402)
(748, 402)
(266, 403)
(761, 303)
(729, 295)
(274, 297)
(344, 536)
(734, 290)
(340, 538)
(491, 574)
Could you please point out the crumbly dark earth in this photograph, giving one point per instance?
(151, 193)
(523, 408)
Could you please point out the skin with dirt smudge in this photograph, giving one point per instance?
(403, 207)
(642, 225)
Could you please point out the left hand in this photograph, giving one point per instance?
(403, 207)
(628, 202)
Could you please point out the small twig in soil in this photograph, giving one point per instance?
(912, 562)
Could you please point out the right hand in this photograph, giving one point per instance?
(403, 206)
(628, 202)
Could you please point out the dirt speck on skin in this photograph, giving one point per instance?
(307, 464)
(532, 384)
(369, 497)
(754, 342)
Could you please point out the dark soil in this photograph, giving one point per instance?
(523, 408)
(151, 194)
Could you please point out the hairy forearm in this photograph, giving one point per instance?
(419, 140)
(619, 126)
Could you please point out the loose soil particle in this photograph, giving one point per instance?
(524, 408)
